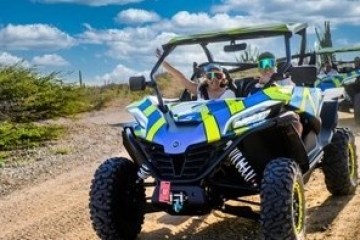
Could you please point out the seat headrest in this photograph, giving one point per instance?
(303, 75)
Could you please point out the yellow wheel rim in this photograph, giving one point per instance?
(351, 161)
(298, 208)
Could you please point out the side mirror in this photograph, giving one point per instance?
(137, 83)
(235, 47)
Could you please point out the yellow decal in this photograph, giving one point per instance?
(234, 106)
(211, 128)
(279, 93)
(149, 110)
(139, 132)
(154, 128)
(240, 131)
(336, 81)
(307, 95)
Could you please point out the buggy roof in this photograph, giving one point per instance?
(339, 49)
(250, 32)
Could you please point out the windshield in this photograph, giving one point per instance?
(182, 58)
(241, 64)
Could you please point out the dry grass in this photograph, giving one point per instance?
(247, 73)
(169, 87)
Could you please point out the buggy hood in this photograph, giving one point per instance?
(196, 122)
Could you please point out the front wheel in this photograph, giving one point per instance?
(340, 163)
(282, 201)
(117, 202)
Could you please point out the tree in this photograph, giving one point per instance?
(325, 41)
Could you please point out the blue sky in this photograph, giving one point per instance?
(109, 40)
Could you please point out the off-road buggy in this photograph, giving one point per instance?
(348, 77)
(200, 154)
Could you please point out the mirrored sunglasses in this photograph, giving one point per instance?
(217, 75)
(267, 63)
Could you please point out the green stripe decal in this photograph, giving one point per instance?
(303, 99)
(210, 125)
(154, 128)
(240, 131)
(306, 95)
(279, 93)
(149, 110)
(139, 132)
(234, 106)
(337, 81)
(312, 103)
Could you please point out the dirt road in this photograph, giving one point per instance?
(56, 206)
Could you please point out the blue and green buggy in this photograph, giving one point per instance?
(349, 78)
(197, 155)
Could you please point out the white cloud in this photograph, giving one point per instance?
(120, 74)
(137, 16)
(184, 22)
(313, 12)
(94, 36)
(49, 60)
(135, 46)
(34, 36)
(91, 2)
(127, 43)
(9, 59)
(142, 41)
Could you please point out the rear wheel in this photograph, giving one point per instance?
(357, 108)
(117, 202)
(282, 201)
(340, 163)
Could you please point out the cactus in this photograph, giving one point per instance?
(250, 55)
(80, 79)
(325, 41)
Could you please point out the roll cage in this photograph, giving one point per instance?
(232, 35)
(345, 49)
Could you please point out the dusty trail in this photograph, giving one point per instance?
(49, 210)
(56, 208)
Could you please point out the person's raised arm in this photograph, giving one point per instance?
(189, 85)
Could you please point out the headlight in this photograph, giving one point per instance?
(251, 119)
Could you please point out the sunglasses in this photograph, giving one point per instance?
(267, 63)
(217, 75)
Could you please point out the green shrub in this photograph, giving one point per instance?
(27, 96)
(24, 135)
